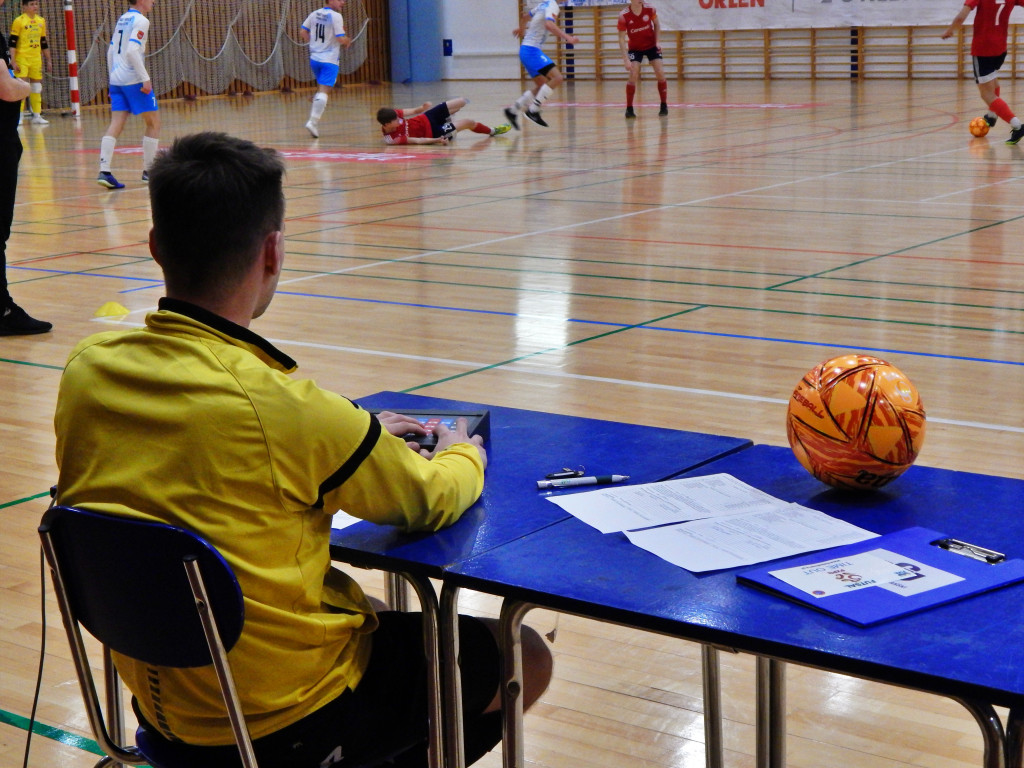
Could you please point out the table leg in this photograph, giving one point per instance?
(771, 713)
(431, 648)
(455, 748)
(1015, 738)
(997, 747)
(395, 593)
(713, 751)
(511, 623)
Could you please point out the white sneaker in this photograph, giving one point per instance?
(39, 120)
(313, 130)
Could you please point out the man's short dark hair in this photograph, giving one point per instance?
(214, 199)
(385, 115)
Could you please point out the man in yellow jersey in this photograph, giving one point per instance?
(28, 51)
(211, 432)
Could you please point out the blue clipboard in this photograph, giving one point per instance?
(980, 570)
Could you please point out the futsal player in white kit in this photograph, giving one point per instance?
(324, 30)
(533, 29)
(131, 90)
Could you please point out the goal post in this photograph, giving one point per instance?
(69, 32)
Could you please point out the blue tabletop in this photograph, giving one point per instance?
(523, 447)
(973, 648)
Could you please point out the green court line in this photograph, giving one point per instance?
(34, 365)
(510, 361)
(16, 502)
(50, 732)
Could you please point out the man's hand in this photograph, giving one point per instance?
(147, 87)
(449, 437)
(398, 425)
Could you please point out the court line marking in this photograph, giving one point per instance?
(619, 217)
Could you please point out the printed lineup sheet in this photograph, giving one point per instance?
(710, 523)
(630, 507)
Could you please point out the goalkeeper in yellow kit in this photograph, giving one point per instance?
(28, 50)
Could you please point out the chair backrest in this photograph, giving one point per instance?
(127, 585)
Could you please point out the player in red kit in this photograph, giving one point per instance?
(988, 49)
(638, 37)
(428, 124)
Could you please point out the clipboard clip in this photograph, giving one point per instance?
(972, 551)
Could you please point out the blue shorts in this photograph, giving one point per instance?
(535, 60)
(325, 74)
(130, 98)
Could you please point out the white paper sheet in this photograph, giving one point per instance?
(745, 539)
(342, 520)
(875, 568)
(629, 507)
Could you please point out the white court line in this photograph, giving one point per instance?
(605, 219)
(531, 369)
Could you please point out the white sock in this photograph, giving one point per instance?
(319, 105)
(107, 144)
(149, 148)
(542, 96)
(1015, 123)
(523, 101)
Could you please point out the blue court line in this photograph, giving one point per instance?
(745, 337)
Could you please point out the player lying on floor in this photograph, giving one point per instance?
(428, 124)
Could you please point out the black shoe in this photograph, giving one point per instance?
(535, 116)
(15, 321)
(1016, 135)
(664, 110)
(991, 120)
(630, 112)
(512, 118)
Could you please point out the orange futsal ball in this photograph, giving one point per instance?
(855, 422)
(978, 127)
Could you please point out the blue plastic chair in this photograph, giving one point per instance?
(156, 593)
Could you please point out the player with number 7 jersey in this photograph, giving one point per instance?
(324, 30)
(988, 51)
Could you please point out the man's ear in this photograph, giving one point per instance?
(273, 253)
(152, 248)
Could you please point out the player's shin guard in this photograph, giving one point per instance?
(35, 98)
(149, 150)
(319, 105)
(1002, 109)
(542, 96)
(107, 144)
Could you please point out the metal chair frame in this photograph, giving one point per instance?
(206, 613)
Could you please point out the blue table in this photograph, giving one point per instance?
(523, 447)
(971, 651)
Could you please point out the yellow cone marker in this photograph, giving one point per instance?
(111, 309)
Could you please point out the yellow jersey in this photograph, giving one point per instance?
(27, 35)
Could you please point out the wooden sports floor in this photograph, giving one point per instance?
(681, 272)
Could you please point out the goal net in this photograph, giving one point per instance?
(212, 45)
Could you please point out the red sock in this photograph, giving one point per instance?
(663, 91)
(481, 128)
(1002, 109)
(630, 93)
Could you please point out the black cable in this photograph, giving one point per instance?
(42, 656)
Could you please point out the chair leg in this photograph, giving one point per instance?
(220, 663)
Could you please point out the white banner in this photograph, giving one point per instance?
(800, 14)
